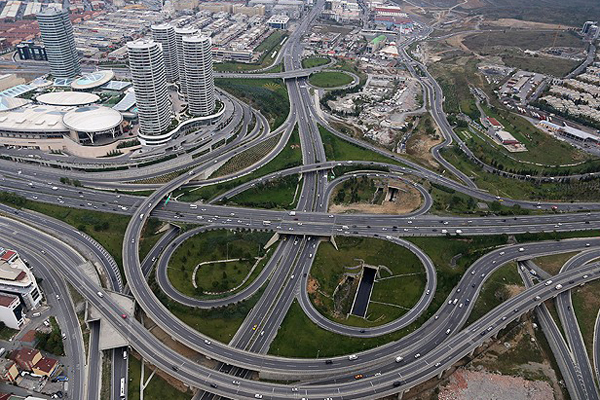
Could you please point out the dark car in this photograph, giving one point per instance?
(328, 362)
(213, 385)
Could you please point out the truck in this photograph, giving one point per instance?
(292, 213)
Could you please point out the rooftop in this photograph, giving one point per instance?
(92, 119)
(7, 299)
(67, 98)
(93, 80)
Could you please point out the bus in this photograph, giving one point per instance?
(122, 388)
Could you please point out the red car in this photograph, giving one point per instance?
(124, 316)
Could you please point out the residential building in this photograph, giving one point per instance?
(8, 370)
(26, 357)
(180, 33)
(147, 67)
(165, 35)
(57, 35)
(198, 66)
(17, 279)
(11, 311)
(46, 366)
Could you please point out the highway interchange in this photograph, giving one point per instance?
(428, 351)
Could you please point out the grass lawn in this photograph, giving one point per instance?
(496, 289)
(157, 389)
(247, 157)
(526, 190)
(290, 156)
(150, 236)
(532, 40)
(331, 265)
(586, 304)
(330, 79)
(314, 61)
(213, 246)
(275, 194)
(108, 229)
(339, 150)
(553, 263)
(6, 333)
(357, 190)
(268, 95)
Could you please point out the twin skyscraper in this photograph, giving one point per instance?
(172, 55)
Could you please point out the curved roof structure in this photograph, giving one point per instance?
(67, 98)
(93, 80)
(92, 119)
(10, 103)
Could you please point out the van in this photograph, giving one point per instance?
(193, 206)
(100, 294)
(292, 213)
(399, 359)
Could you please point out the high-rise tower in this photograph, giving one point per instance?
(165, 35)
(57, 35)
(198, 66)
(180, 33)
(147, 68)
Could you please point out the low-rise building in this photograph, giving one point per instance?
(26, 357)
(17, 279)
(505, 137)
(11, 311)
(8, 370)
(279, 21)
(46, 366)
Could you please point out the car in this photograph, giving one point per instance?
(64, 336)
(417, 355)
(57, 297)
(548, 282)
(294, 389)
(124, 316)
(502, 253)
(258, 396)
(428, 292)
(396, 384)
(521, 249)
(352, 357)
(358, 376)
(587, 245)
(399, 359)
(174, 368)
(437, 364)
(213, 385)
(254, 327)
(100, 294)
(236, 382)
(206, 341)
(328, 362)
(378, 374)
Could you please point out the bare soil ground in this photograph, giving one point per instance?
(420, 144)
(404, 203)
(516, 23)
(467, 385)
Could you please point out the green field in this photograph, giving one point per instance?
(268, 46)
(247, 158)
(329, 79)
(157, 389)
(496, 290)
(274, 194)
(314, 61)
(268, 95)
(337, 149)
(214, 246)
(299, 337)
(331, 265)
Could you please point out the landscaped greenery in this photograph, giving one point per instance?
(553, 263)
(150, 236)
(314, 61)
(219, 323)
(289, 157)
(6, 333)
(247, 158)
(331, 266)
(268, 95)
(157, 389)
(216, 246)
(300, 337)
(355, 190)
(330, 79)
(280, 193)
